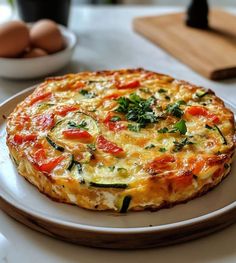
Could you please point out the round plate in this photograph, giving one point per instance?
(21, 200)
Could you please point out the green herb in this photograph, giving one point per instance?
(91, 147)
(181, 126)
(137, 109)
(115, 118)
(178, 126)
(150, 146)
(178, 146)
(145, 90)
(122, 171)
(174, 109)
(201, 93)
(87, 94)
(162, 150)
(163, 130)
(167, 97)
(82, 125)
(221, 134)
(125, 205)
(162, 91)
(134, 127)
(111, 168)
(101, 185)
(54, 145)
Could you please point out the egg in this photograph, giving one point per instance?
(45, 34)
(34, 53)
(14, 38)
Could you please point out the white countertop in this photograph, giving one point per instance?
(106, 41)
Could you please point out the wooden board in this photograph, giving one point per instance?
(211, 52)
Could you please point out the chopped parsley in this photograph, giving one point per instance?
(178, 146)
(82, 125)
(145, 90)
(134, 127)
(150, 146)
(162, 150)
(181, 126)
(111, 168)
(137, 109)
(115, 118)
(178, 126)
(163, 130)
(87, 94)
(174, 109)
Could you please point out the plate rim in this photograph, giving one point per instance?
(115, 230)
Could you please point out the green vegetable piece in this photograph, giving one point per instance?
(180, 145)
(174, 109)
(91, 147)
(125, 205)
(54, 145)
(134, 127)
(162, 150)
(87, 94)
(162, 91)
(221, 134)
(167, 97)
(163, 130)
(101, 185)
(137, 109)
(81, 125)
(209, 127)
(111, 168)
(115, 118)
(150, 146)
(181, 126)
(201, 93)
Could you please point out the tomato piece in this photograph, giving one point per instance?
(200, 111)
(198, 166)
(49, 166)
(130, 85)
(107, 146)
(63, 110)
(40, 155)
(160, 164)
(18, 138)
(40, 97)
(181, 181)
(77, 134)
(113, 125)
(45, 121)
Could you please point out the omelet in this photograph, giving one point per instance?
(121, 140)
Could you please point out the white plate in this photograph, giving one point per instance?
(202, 215)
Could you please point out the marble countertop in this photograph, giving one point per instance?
(106, 41)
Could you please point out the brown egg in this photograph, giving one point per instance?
(14, 38)
(45, 34)
(35, 53)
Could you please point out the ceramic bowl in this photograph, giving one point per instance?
(29, 68)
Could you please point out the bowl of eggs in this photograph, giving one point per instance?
(35, 50)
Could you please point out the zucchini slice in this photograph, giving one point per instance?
(101, 185)
(221, 134)
(125, 205)
(54, 145)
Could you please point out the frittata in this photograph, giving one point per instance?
(121, 140)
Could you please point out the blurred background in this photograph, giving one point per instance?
(148, 2)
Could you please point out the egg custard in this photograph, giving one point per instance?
(121, 140)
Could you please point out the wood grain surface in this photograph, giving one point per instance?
(102, 239)
(210, 52)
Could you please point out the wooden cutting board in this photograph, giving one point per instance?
(211, 52)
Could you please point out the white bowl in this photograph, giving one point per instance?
(29, 68)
